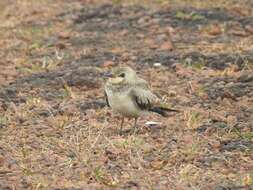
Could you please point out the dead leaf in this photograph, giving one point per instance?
(140, 36)
(228, 94)
(61, 45)
(158, 164)
(151, 43)
(215, 144)
(188, 139)
(239, 32)
(239, 11)
(231, 120)
(124, 32)
(1, 161)
(247, 180)
(117, 50)
(214, 30)
(183, 71)
(64, 35)
(170, 30)
(108, 64)
(125, 56)
(249, 28)
(167, 46)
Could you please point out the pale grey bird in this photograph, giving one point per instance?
(130, 95)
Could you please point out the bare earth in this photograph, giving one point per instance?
(57, 133)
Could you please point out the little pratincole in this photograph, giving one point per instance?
(130, 95)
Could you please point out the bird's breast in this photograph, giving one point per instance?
(123, 103)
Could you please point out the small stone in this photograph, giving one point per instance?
(245, 77)
(140, 36)
(142, 20)
(124, 32)
(157, 64)
(170, 30)
(147, 148)
(156, 20)
(157, 164)
(152, 123)
(161, 37)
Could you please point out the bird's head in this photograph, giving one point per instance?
(122, 75)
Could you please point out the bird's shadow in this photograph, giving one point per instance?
(140, 130)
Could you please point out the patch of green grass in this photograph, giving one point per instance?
(98, 173)
(102, 177)
(116, 2)
(191, 151)
(24, 164)
(3, 121)
(189, 173)
(248, 179)
(67, 90)
(162, 2)
(137, 142)
(133, 141)
(247, 135)
(193, 119)
(189, 16)
(35, 45)
(30, 67)
(27, 171)
(222, 126)
(33, 32)
(201, 90)
(197, 65)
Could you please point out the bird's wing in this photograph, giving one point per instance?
(106, 99)
(146, 100)
(142, 96)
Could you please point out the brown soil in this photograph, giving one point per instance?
(55, 129)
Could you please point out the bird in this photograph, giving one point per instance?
(130, 96)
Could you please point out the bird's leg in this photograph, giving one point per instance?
(135, 124)
(121, 125)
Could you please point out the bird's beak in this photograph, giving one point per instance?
(108, 74)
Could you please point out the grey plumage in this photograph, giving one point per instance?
(130, 95)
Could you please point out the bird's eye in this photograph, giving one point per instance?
(122, 75)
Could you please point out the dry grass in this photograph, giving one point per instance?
(50, 141)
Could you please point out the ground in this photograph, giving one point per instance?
(55, 129)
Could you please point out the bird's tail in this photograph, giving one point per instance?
(162, 110)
